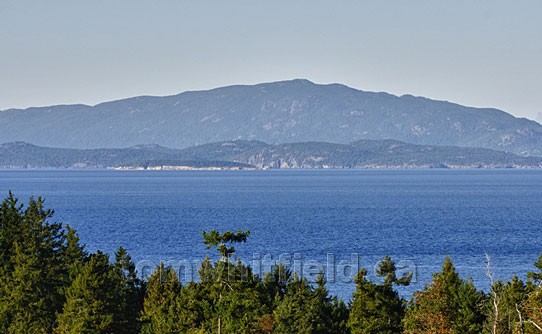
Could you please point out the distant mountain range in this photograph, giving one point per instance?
(276, 113)
(255, 154)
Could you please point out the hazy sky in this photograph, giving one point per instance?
(478, 53)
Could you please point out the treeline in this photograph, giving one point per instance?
(51, 284)
(244, 154)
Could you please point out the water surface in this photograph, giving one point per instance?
(415, 216)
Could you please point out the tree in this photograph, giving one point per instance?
(91, 300)
(377, 308)
(505, 298)
(275, 283)
(74, 255)
(531, 308)
(162, 303)
(232, 294)
(220, 241)
(129, 295)
(296, 312)
(306, 310)
(448, 305)
(535, 277)
(31, 267)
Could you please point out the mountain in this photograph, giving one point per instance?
(279, 112)
(24, 155)
(255, 154)
(539, 117)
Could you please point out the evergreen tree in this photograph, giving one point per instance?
(448, 305)
(91, 300)
(162, 304)
(531, 308)
(505, 300)
(295, 313)
(305, 310)
(339, 316)
(535, 277)
(232, 301)
(25, 305)
(74, 254)
(31, 268)
(130, 294)
(11, 217)
(377, 308)
(532, 312)
(274, 284)
(332, 313)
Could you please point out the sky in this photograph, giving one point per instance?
(474, 52)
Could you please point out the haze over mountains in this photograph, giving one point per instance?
(242, 154)
(275, 113)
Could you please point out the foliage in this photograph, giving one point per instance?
(448, 305)
(162, 305)
(51, 284)
(377, 308)
(34, 266)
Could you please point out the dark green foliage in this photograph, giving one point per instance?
(129, 295)
(74, 255)
(297, 312)
(232, 300)
(535, 277)
(32, 270)
(377, 308)
(275, 284)
(92, 304)
(503, 305)
(50, 284)
(162, 306)
(215, 239)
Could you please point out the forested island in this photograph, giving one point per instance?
(242, 154)
(52, 284)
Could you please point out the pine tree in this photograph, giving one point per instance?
(11, 216)
(74, 254)
(339, 316)
(535, 277)
(306, 310)
(504, 303)
(31, 268)
(296, 313)
(162, 304)
(332, 313)
(232, 302)
(129, 294)
(91, 300)
(448, 305)
(26, 304)
(377, 308)
(531, 307)
(274, 284)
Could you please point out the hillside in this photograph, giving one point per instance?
(256, 154)
(280, 112)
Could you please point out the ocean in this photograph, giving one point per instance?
(334, 221)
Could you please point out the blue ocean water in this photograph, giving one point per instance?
(312, 220)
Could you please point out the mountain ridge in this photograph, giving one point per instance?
(242, 154)
(278, 112)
